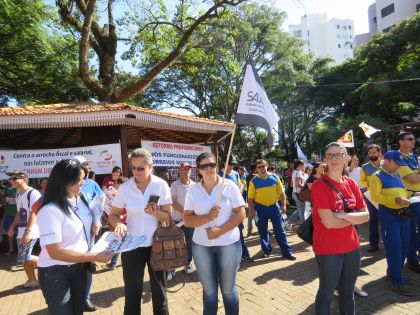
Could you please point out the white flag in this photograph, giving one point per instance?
(254, 107)
(368, 130)
(347, 139)
(300, 154)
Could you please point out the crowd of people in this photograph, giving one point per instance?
(69, 210)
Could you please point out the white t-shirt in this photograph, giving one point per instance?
(134, 201)
(25, 210)
(355, 175)
(199, 201)
(297, 174)
(86, 215)
(57, 227)
(178, 193)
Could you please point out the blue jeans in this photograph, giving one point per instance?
(272, 213)
(395, 234)
(373, 224)
(114, 260)
(414, 246)
(300, 205)
(337, 271)
(64, 288)
(218, 265)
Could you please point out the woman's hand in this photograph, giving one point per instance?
(213, 233)
(103, 257)
(214, 212)
(152, 209)
(120, 230)
(96, 228)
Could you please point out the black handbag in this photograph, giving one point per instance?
(306, 230)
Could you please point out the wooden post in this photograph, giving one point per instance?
(124, 150)
(215, 148)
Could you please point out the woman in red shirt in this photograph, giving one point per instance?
(335, 240)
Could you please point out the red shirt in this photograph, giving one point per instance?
(109, 183)
(334, 241)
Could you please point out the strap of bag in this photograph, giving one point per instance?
(346, 206)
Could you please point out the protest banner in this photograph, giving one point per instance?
(171, 155)
(39, 163)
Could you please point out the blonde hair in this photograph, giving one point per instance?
(142, 153)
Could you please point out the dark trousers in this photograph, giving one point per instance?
(373, 224)
(64, 288)
(133, 264)
(337, 271)
(188, 232)
(245, 251)
(414, 245)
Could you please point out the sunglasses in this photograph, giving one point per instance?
(14, 178)
(409, 139)
(261, 166)
(138, 168)
(206, 166)
(72, 162)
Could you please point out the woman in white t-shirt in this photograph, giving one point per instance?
(298, 182)
(216, 246)
(65, 240)
(142, 219)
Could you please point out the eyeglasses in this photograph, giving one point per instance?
(331, 156)
(72, 162)
(409, 139)
(206, 166)
(138, 168)
(231, 163)
(14, 178)
(261, 166)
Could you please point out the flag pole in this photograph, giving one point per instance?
(219, 195)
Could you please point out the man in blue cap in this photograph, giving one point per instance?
(389, 191)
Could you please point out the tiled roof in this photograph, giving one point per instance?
(86, 115)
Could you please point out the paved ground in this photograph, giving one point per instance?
(267, 286)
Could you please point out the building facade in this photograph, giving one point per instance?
(384, 14)
(325, 38)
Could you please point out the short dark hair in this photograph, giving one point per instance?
(64, 173)
(374, 146)
(116, 169)
(403, 134)
(297, 162)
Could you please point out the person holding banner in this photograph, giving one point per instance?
(143, 217)
(65, 224)
(216, 246)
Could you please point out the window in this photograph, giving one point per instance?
(339, 45)
(345, 27)
(375, 20)
(338, 26)
(417, 7)
(297, 33)
(307, 33)
(351, 46)
(387, 10)
(349, 27)
(350, 36)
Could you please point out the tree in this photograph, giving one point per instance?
(37, 64)
(154, 31)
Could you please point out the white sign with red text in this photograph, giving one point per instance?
(171, 154)
(39, 163)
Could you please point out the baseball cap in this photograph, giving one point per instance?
(184, 164)
(395, 156)
(82, 160)
(18, 174)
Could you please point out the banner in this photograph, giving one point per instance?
(254, 108)
(300, 153)
(173, 154)
(39, 163)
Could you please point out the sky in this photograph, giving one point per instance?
(355, 10)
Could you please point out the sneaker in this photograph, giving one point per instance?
(170, 275)
(31, 284)
(291, 257)
(189, 269)
(372, 249)
(413, 267)
(360, 292)
(401, 289)
(266, 255)
(336, 293)
(247, 258)
(289, 225)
